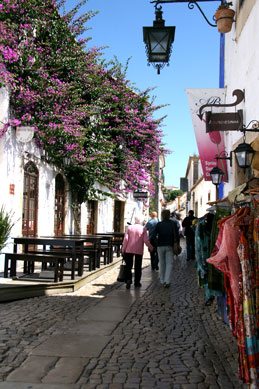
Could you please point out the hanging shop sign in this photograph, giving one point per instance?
(228, 121)
(138, 194)
(209, 144)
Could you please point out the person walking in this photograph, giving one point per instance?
(150, 226)
(132, 248)
(175, 219)
(167, 237)
(189, 233)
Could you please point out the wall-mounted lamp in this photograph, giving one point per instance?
(244, 155)
(216, 175)
(66, 160)
(159, 38)
(45, 157)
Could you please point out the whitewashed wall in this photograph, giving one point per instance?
(13, 157)
(202, 191)
(241, 72)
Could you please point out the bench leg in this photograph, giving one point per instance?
(6, 267)
(59, 270)
(13, 268)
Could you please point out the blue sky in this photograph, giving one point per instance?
(194, 63)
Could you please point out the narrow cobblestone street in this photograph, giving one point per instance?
(116, 338)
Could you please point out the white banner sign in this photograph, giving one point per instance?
(210, 144)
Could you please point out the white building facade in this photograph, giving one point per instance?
(241, 64)
(38, 194)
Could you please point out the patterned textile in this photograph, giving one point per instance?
(216, 277)
(227, 260)
(248, 319)
(254, 238)
(220, 214)
(202, 252)
(236, 254)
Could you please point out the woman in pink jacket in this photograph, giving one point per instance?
(133, 245)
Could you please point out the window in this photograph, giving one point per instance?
(195, 171)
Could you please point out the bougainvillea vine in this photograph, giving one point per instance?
(80, 107)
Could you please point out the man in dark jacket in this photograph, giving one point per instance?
(167, 235)
(189, 232)
(150, 226)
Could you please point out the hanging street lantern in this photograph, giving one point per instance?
(158, 40)
(244, 155)
(216, 175)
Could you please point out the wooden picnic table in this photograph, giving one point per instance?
(117, 241)
(75, 244)
(92, 244)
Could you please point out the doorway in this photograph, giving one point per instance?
(91, 223)
(118, 223)
(30, 200)
(59, 216)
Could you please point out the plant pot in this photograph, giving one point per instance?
(224, 19)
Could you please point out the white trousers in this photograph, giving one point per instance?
(166, 256)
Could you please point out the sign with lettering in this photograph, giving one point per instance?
(228, 121)
(140, 195)
(212, 143)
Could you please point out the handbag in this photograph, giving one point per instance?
(177, 249)
(122, 276)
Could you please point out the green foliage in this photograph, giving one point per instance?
(225, 5)
(80, 107)
(172, 194)
(6, 225)
(152, 205)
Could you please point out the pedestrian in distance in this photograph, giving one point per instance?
(177, 216)
(175, 219)
(167, 238)
(132, 249)
(189, 232)
(150, 226)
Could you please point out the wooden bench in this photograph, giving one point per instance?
(29, 259)
(117, 245)
(90, 251)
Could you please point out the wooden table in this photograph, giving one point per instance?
(107, 244)
(95, 247)
(117, 241)
(75, 244)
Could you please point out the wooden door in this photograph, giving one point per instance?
(91, 224)
(59, 216)
(30, 200)
(118, 224)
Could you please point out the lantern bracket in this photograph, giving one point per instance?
(191, 4)
(224, 155)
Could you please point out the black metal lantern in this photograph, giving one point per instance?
(216, 175)
(244, 155)
(158, 40)
(66, 160)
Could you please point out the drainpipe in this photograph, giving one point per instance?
(220, 189)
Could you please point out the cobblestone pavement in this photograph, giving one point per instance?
(168, 338)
